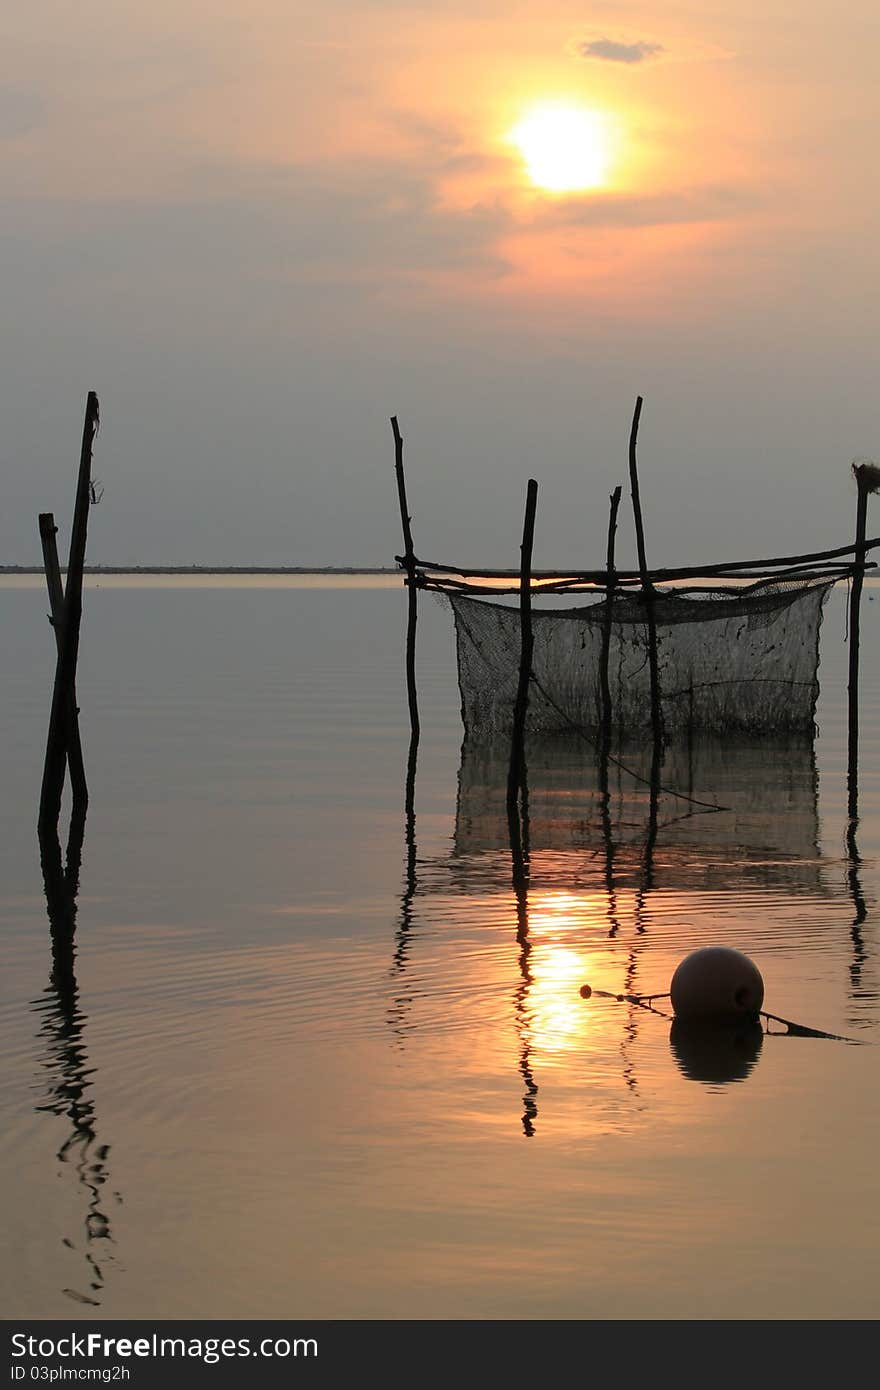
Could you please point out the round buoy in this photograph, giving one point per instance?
(716, 982)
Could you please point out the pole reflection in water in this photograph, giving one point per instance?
(653, 825)
(519, 831)
(66, 1063)
(402, 1001)
(860, 909)
(607, 837)
(631, 1029)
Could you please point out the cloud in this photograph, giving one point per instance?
(613, 51)
(22, 109)
(259, 245)
(710, 203)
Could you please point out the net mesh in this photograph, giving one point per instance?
(744, 662)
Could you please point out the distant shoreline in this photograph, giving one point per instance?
(206, 569)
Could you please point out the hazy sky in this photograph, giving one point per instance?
(258, 229)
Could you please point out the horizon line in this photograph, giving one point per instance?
(211, 569)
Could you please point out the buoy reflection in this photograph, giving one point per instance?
(716, 1052)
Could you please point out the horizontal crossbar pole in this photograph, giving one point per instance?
(762, 567)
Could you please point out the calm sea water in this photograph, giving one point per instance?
(314, 1065)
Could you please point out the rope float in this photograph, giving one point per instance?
(715, 985)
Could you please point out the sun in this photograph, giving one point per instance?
(565, 147)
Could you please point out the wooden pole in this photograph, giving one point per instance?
(65, 668)
(48, 531)
(409, 561)
(604, 684)
(605, 738)
(855, 598)
(521, 705)
(644, 575)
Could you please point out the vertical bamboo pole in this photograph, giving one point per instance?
(605, 738)
(604, 684)
(61, 905)
(527, 641)
(855, 598)
(521, 705)
(647, 587)
(409, 560)
(65, 668)
(48, 531)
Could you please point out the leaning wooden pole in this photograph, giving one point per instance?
(527, 645)
(409, 563)
(604, 683)
(65, 667)
(864, 485)
(644, 575)
(48, 531)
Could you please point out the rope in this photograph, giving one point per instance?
(646, 1001)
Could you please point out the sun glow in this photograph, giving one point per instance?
(565, 148)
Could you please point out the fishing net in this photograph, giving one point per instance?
(745, 662)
